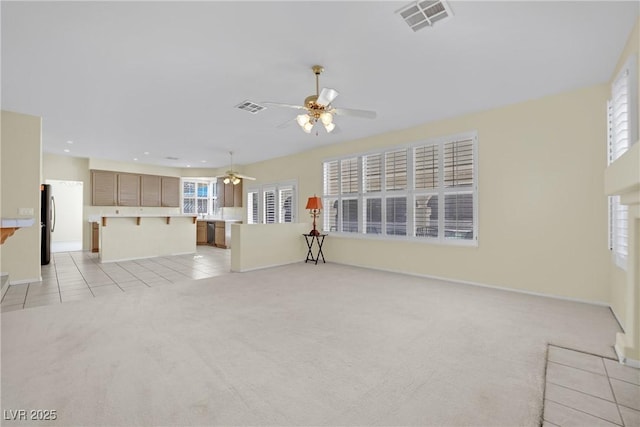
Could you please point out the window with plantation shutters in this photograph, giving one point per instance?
(349, 176)
(331, 173)
(395, 173)
(426, 191)
(622, 121)
(269, 203)
(285, 204)
(198, 196)
(372, 175)
(272, 203)
(252, 207)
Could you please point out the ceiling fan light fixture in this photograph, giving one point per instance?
(302, 119)
(330, 127)
(235, 180)
(226, 180)
(326, 118)
(307, 127)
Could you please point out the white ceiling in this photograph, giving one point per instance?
(120, 79)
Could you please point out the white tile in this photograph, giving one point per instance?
(577, 379)
(562, 416)
(621, 372)
(631, 417)
(583, 402)
(627, 394)
(577, 359)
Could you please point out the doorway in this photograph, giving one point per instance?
(66, 235)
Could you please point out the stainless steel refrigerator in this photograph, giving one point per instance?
(47, 222)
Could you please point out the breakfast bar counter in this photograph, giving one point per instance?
(125, 237)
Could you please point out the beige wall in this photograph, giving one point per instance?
(20, 149)
(542, 209)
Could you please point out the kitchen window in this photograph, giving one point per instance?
(426, 191)
(198, 196)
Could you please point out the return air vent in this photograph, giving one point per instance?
(421, 14)
(251, 107)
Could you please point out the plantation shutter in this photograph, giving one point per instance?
(619, 140)
(349, 176)
(269, 203)
(286, 204)
(396, 170)
(372, 173)
(331, 178)
(252, 208)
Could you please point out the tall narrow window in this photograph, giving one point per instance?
(252, 208)
(285, 204)
(622, 120)
(269, 202)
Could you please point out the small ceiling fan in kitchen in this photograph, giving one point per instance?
(319, 108)
(232, 177)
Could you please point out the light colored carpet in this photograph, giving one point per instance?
(294, 345)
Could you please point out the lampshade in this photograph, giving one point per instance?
(236, 180)
(314, 203)
(302, 119)
(226, 180)
(307, 127)
(330, 127)
(326, 118)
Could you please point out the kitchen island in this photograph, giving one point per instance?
(125, 237)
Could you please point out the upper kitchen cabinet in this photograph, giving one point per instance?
(103, 188)
(128, 189)
(170, 191)
(151, 190)
(229, 195)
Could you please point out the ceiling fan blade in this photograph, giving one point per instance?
(327, 95)
(245, 177)
(365, 114)
(278, 104)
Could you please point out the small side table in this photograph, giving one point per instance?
(318, 240)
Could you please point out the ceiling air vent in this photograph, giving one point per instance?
(421, 14)
(251, 107)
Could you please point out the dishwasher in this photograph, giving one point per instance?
(211, 230)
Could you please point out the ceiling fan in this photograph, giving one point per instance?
(318, 107)
(231, 176)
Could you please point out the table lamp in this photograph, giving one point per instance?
(314, 204)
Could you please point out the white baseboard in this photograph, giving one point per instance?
(246, 270)
(23, 281)
(625, 360)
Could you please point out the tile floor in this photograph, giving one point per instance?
(586, 390)
(73, 276)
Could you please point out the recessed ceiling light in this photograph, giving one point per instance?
(146, 153)
(135, 158)
(66, 150)
(203, 161)
(188, 166)
(69, 142)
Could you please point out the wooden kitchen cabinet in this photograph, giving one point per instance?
(170, 191)
(103, 188)
(219, 236)
(128, 189)
(229, 195)
(150, 190)
(201, 233)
